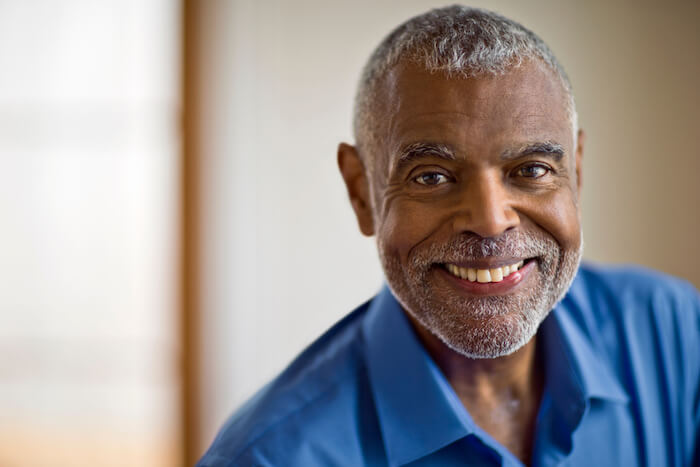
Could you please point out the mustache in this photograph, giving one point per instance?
(468, 246)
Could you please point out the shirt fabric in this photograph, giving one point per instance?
(622, 366)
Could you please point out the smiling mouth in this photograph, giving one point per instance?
(484, 275)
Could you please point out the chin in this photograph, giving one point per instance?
(492, 337)
(482, 326)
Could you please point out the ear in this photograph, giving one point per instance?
(356, 181)
(580, 140)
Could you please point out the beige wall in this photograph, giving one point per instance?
(282, 256)
(636, 80)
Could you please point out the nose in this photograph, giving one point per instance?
(486, 208)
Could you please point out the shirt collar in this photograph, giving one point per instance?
(574, 368)
(417, 410)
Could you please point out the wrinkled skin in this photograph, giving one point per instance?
(490, 204)
(478, 205)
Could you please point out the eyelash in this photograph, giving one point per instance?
(548, 170)
(517, 172)
(424, 174)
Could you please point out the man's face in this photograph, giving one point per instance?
(473, 175)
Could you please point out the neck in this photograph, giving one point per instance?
(502, 394)
(486, 377)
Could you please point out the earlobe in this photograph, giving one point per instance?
(356, 181)
(580, 140)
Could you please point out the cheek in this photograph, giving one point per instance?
(406, 225)
(559, 216)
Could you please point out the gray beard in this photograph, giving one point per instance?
(482, 327)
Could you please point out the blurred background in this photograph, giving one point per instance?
(173, 227)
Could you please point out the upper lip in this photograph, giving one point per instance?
(491, 262)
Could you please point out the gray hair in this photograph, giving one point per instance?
(459, 41)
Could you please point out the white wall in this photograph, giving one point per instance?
(283, 258)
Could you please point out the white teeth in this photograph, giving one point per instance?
(484, 275)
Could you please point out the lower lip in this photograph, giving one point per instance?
(508, 284)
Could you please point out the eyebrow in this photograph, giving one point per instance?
(549, 148)
(421, 150)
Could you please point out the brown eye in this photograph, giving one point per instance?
(431, 178)
(533, 171)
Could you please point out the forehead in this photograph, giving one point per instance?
(481, 115)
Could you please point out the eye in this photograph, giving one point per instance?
(431, 178)
(533, 170)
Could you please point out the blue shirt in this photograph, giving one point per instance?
(622, 356)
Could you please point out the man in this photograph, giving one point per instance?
(467, 169)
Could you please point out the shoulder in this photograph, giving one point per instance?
(645, 323)
(645, 326)
(632, 278)
(632, 297)
(630, 287)
(320, 387)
